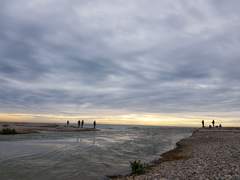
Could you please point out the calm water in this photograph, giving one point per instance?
(85, 155)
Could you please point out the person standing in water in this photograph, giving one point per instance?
(94, 124)
(213, 122)
(82, 124)
(78, 123)
(203, 124)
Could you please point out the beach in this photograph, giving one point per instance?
(207, 154)
(84, 153)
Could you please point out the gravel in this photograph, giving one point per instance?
(209, 154)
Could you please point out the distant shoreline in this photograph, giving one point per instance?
(192, 158)
(28, 128)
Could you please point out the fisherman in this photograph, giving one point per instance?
(203, 124)
(94, 124)
(213, 122)
(82, 124)
(67, 123)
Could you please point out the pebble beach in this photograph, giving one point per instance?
(209, 154)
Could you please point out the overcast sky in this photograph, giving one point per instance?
(120, 57)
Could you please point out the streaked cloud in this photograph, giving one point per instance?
(132, 57)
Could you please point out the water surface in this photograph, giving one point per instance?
(84, 155)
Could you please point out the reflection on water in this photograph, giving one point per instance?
(85, 155)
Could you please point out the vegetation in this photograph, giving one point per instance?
(7, 131)
(137, 167)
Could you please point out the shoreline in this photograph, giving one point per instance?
(29, 128)
(192, 158)
(170, 155)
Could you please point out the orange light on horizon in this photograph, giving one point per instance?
(129, 119)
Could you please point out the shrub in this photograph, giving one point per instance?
(8, 131)
(137, 167)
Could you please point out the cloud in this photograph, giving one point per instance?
(135, 56)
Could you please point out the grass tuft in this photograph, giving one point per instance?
(137, 167)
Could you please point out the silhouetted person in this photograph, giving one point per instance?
(213, 122)
(67, 123)
(78, 124)
(94, 124)
(220, 125)
(210, 126)
(203, 124)
(82, 124)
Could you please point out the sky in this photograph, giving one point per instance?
(159, 62)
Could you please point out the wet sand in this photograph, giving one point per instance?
(27, 128)
(207, 154)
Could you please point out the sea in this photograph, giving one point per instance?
(84, 155)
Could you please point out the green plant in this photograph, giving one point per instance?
(6, 131)
(137, 167)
